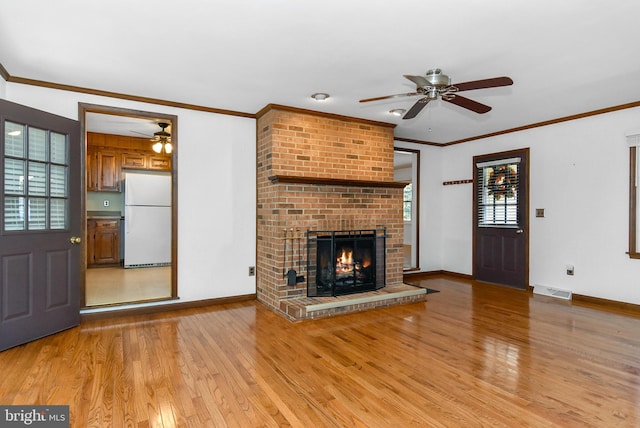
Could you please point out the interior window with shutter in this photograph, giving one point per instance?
(36, 173)
(498, 192)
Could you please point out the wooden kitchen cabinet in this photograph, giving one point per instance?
(103, 170)
(159, 162)
(146, 161)
(103, 242)
(134, 160)
(91, 169)
(108, 155)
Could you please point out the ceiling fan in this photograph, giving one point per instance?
(162, 139)
(436, 85)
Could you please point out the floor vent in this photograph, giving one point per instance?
(553, 292)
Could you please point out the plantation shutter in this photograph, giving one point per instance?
(498, 192)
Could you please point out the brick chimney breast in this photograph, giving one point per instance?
(317, 171)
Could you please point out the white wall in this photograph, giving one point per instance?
(578, 174)
(216, 190)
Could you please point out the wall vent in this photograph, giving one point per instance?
(543, 290)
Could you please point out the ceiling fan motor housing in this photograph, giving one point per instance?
(437, 79)
(163, 133)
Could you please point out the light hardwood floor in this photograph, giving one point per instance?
(473, 355)
(111, 285)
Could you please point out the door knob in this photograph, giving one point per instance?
(75, 240)
(519, 231)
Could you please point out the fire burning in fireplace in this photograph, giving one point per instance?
(345, 262)
(345, 265)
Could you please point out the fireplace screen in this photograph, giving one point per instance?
(345, 262)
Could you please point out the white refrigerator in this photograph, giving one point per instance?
(147, 219)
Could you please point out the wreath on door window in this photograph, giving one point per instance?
(503, 181)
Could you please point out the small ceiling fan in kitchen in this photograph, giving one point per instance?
(162, 139)
(436, 85)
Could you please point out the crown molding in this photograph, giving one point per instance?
(270, 107)
(4, 73)
(549, 122)
(118, 95)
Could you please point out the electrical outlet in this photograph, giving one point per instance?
(252, 270)
(105, 203)
(569, 269)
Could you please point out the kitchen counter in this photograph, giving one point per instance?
(97, 215)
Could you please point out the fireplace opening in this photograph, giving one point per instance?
(345, 262)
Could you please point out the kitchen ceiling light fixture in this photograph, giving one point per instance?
(162, 140)
(397, 111)
(320, 96)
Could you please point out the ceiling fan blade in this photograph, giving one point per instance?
(142, 133)
(388, 96)
(418, 80)
(469, 104)
(485, 83)
(416, 108)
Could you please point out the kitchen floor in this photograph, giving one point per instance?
(112, 285)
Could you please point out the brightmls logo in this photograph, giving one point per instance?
(36, 416)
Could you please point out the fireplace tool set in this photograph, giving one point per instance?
(295, 238)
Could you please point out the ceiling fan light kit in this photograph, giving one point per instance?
(434, 84)
(162, 139)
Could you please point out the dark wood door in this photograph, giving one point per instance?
(501, 221)
(40, 229)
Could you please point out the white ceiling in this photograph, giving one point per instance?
(565, 57)
(124, 125)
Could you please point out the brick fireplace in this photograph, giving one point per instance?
(321, 172)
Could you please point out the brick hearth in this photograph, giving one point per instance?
(324, 172)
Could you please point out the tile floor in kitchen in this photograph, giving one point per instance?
(113, 285)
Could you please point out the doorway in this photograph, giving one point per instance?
(118, 145)
(406, 165)
(501, 220)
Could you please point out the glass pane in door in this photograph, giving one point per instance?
(14, 139)
(37, 144)
(14, 213)
(37, 179)
(37, 213)
(57, 213)
(14, 176)
(58, 148)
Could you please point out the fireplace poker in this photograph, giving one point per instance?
(284, 255)
(292, 274)
(299, 253)
(299, 278)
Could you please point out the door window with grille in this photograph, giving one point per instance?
(36, 171)
(498, 192)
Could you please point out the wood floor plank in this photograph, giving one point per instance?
(472, 355)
